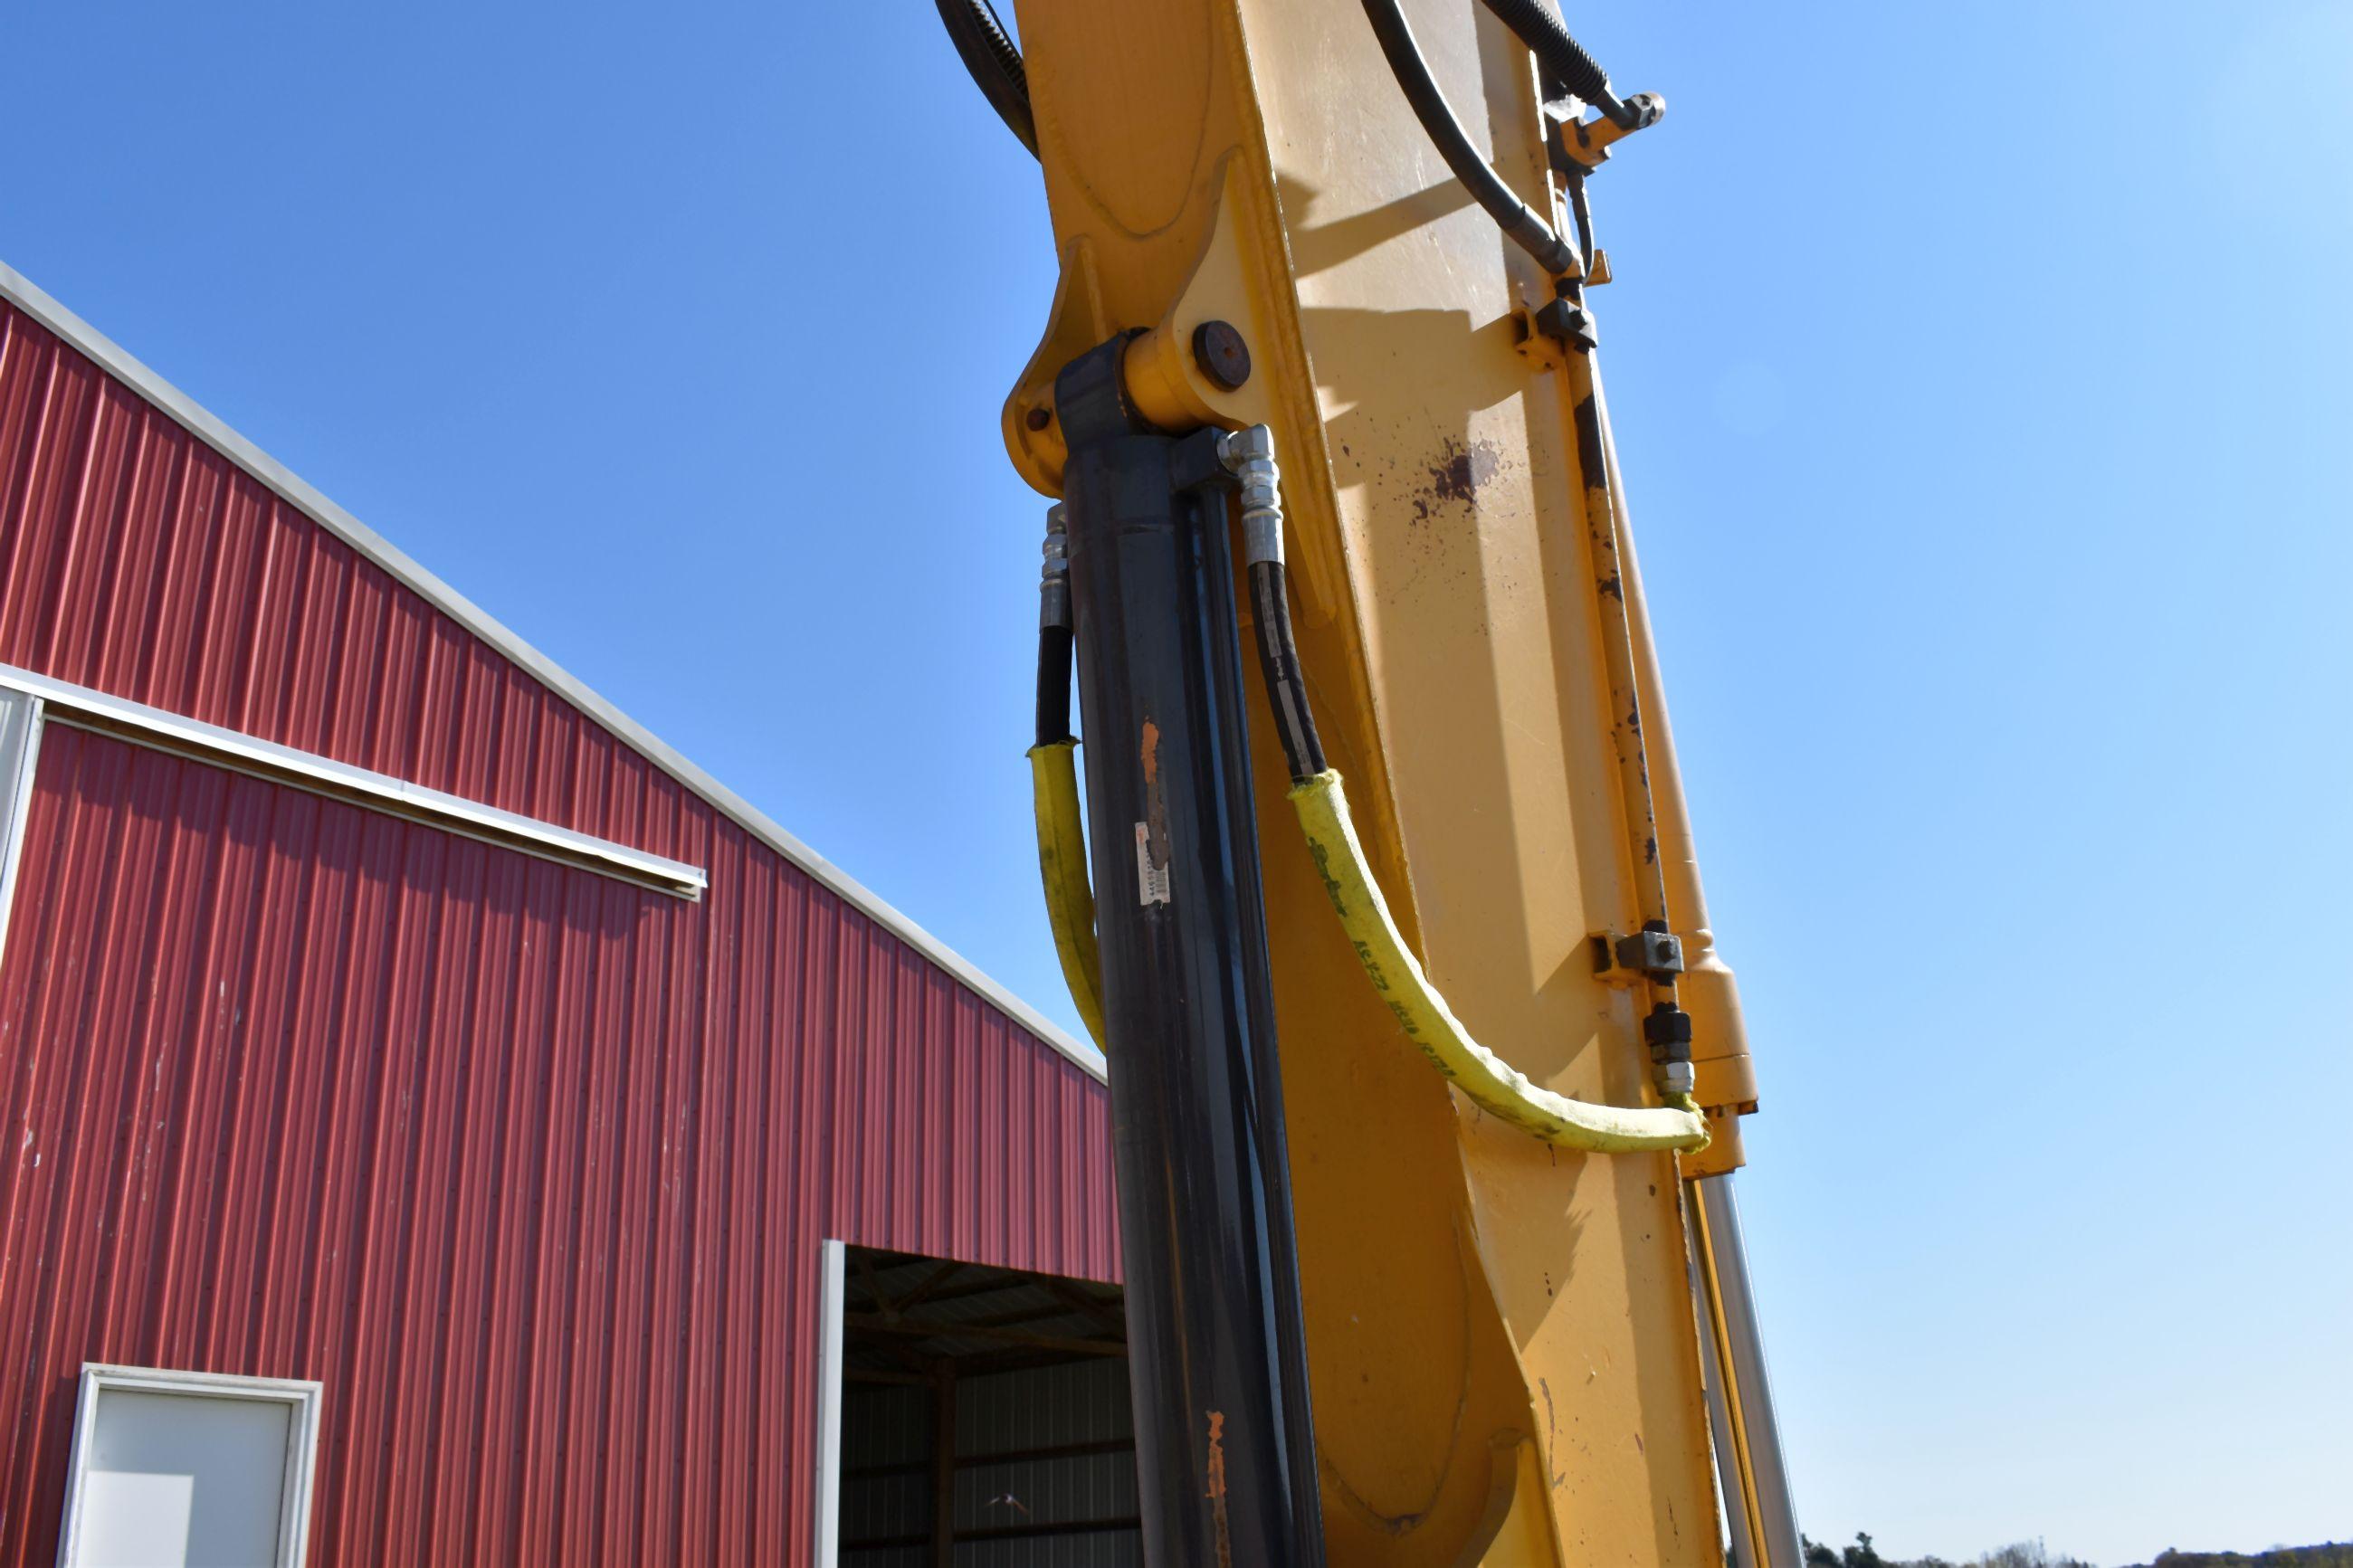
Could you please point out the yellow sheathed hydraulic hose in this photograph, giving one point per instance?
(1492, 1084)
(1062, 865)
(1322, 803)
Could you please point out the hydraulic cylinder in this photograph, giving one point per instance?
(1225, 1449)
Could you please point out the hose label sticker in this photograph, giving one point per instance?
(1151, 881)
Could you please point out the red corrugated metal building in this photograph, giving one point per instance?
(381, 1008)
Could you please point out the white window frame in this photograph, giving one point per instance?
(57, 702)
(20, 749)
(832, 1272)
(302, 1441)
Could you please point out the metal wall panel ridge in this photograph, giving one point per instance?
(529, 1166)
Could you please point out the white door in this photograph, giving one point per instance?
(175, 1470)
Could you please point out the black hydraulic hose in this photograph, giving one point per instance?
(995, 64)
(1249, 455)
(1564, 59)
(1518, 221)
(1055, 658)
(1053, 685)
(1278, 664)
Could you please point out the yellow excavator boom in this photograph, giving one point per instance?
(1520, 1348)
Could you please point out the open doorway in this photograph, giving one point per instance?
(985, 1418)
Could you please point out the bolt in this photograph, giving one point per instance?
(1038, 418)
(1222, 355)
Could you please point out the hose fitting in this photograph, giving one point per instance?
(1054, 572)
(1249, 455)
(1668, 1032)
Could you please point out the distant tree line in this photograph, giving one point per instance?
(2033, 1554)
(2328, 1554)
(1863, 1554)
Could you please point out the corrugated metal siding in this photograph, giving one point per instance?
(885, 1427)
(528, 1167)
(1084, 1402)
(1000, 1413)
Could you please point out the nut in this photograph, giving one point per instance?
(1668, 1030)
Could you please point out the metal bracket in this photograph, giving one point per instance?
(1548, 333)
(1581, 146)
(1647, 954)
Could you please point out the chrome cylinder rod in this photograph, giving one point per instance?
(1750, 1404)
(1733, 1487)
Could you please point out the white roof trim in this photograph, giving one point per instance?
(22, 292)
(119, 716)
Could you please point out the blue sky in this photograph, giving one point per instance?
(1982, 377)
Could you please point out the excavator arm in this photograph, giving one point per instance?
(1426, 1072)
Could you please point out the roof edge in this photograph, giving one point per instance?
(112, 358)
